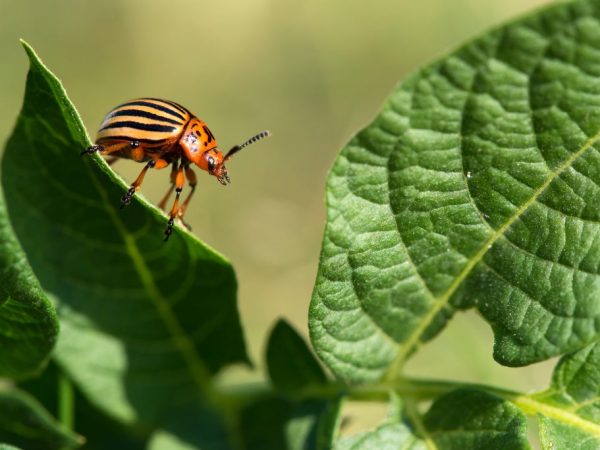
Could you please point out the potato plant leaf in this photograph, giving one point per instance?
(570, 411)
(291, 364)
(461, 420)
(144, 324)
(28, 321)
(275, 423)
(313, 424)
(25, 423)
(293, 370)
(99, 430)
(194, 428)
(477, 185)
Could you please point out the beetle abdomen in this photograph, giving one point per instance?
(146, 120)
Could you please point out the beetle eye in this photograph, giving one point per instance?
(211, 164)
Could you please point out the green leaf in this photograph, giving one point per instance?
(8, 447)
(389, 436)
(310, 423)
(461, 420)
(28, 322)
(476, 186)
(276, 423)
(555, 435)
(262, 424)
(468, 419)
(570, 410)
(291, 364)
(100, 431)
(313, 425)
(191, 429)
(25, 423)
(144, 324)
(392, 434)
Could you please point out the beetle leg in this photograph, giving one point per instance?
(109, 149)
(92, 149)
(111, 160)
(135, 186)
(163, 203)
(191, 177)
(179, 180)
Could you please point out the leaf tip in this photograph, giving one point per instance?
(28, 49)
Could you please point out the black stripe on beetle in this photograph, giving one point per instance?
(139, 126)
(142, 113)
(208, 132)
(128, 138)
(173, 104)
(162, 108)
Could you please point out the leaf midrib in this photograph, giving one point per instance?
(529, 404)
(441, 301)
(182, 342)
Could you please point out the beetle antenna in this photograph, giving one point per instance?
(252, 140)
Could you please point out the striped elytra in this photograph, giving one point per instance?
(162, 133)
(146, 120)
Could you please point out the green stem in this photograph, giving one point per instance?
(415, 418)
(66, 402)
(416, 390)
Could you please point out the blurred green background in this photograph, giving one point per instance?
(313, 72)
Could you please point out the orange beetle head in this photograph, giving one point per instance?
(213, 162)
(200, 147)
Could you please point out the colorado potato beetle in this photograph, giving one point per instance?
(163, 132)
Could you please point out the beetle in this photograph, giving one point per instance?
(162, 132)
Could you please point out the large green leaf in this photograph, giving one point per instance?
(478, 184)
(570, 410)
(28, 322)
(143, 323)
(25, 423)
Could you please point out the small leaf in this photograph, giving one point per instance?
(291, 364)
(275, 423)
(313, 425)
(476, 185)
(461, 420)
(570, 410)
(25, 423)
(389, 436)
(468, 419)
(28, 321)
(144, 324)
(262, 424)
(556, 435)
(310, 423)
(193, 428)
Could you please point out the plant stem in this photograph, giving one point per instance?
(415, 390)
(66, 402)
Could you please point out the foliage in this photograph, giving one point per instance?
(475, 187)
